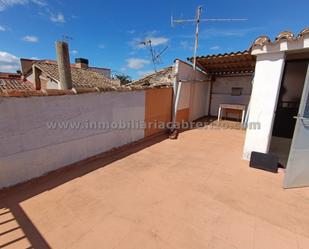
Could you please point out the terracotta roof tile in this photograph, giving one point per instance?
(287, 35)
(81, 78)
(21, 93)
(161, 78)
(15, 84)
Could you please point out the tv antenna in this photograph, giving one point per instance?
(66, 38)
(155, 56)
(197, 21)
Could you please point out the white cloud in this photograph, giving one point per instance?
(156, 41)
(144, 73)
(101, 45)
(4, 4)
(39, 2)
(9, 3)
(131, 32)
(57, 18)
(241, 32)
(186, 45)
(215, 47)
(74, 52)
(137, 63)
(2, 28)
(8, 62)
(137, 42)
(30, 38)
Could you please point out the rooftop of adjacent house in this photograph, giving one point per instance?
(81, 78)
(163, 77)
(241, 62)
(13, 81)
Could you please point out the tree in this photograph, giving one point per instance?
(124, 79)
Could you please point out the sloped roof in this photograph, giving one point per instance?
(15, 84)
(81, 78)
(163, 77)
(228, 63)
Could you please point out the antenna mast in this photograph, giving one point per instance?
(66, 38)
(198, 17)
(154, 55)
(197, 21)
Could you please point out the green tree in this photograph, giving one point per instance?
(124, 79)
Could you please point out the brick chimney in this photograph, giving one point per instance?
(63, 60)
(81, 63)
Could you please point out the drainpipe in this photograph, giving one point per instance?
(176, 90)
(209, 95)
(64, 67)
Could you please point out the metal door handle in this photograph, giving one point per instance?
(301, 118)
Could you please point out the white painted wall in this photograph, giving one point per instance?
(199, 102)
(104, 71)
(222, 89)
(268, 73)
(184, 100)
(194, 92)
(52, 84)
(29, 149)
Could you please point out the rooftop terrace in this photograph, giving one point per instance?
(194, 192)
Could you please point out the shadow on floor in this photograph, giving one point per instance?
(12, 213)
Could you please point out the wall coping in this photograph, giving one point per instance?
(74, 91)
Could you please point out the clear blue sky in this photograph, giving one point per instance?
(107, 32)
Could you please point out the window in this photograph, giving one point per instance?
(236, 91)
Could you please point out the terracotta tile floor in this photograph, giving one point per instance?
(194, 192)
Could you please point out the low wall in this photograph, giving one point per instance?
(193, 102)
(199, 100)
(29, 148)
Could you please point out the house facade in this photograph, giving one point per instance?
(279, 102)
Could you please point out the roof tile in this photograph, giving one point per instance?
(81, 78)
(161, 78)
(15, 84)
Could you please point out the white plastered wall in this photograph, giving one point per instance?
(29, 149)
(194, 92)
(268, 74)
(222, 89)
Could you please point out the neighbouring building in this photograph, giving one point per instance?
(163, 77)
(44, 74)
(14, 81)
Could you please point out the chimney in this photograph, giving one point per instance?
(64, 67)
(36, 76)
(81, 63)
